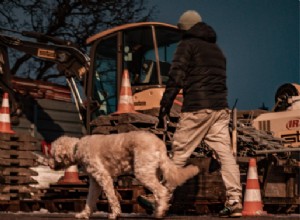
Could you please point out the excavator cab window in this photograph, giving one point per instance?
(105, 76)
(146, 51)
(138, 55)
(149, 59)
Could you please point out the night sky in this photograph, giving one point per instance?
(260, 39)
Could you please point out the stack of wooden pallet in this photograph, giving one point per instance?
(16, 158)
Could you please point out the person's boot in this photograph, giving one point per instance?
(232, 210)
(147, 201)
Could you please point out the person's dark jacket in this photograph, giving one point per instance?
(199, 68)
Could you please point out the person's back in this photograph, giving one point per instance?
(205, 76)
(199, 68)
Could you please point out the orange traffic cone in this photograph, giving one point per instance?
(125, 104)
(70, 176)
(5, 126)
(252, 199)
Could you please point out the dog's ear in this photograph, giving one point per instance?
(57, 153)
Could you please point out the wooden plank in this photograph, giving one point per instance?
(137, 118)
(121, 128)
(6, 189)
(21, 146)
(126, 118)
(9, 206)
(14, 196)
(15, 154)
(18, 162)
(17, 171)
(14, 180)
(17, 137)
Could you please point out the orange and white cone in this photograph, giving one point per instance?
(125, 104)
(70, 176)
(252, 198)
(5, 126)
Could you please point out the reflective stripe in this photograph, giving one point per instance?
(72, 168)
(252, 173)
(252, 195)
(4, 118)
(5, 103)
(126, 83)
(126, 99)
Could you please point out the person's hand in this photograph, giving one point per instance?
(161, 122)
(163, 118)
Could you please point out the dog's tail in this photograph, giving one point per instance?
(175, 175)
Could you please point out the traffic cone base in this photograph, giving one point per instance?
(125, 104)
(252, 199)
(71, 176)
(5, 126)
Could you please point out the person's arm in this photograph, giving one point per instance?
(177, 74)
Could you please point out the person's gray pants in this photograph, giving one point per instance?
(212, 127)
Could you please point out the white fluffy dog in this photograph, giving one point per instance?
(107, 156)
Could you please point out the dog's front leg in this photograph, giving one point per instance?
(93, 195)
(105, 180)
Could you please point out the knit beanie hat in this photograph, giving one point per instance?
(188, 19)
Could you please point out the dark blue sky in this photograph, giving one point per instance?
(260, 39)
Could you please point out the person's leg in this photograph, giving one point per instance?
(218, 138)
(191, 129)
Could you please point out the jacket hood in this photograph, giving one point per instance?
(203, 31)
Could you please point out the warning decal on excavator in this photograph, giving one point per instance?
(49, 54)
(292, 138)
(293, 124)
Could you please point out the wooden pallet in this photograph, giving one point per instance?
(67, 199)
(17, 171)
(16, 158)
(122, 123)
(66, 191)
(203, 194)
(17, 180)
(17, 192)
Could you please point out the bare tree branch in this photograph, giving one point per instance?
(72, 20)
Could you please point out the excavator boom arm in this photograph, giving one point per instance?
(70, 61)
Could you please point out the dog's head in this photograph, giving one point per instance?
(62, 152)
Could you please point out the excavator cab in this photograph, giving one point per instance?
(145, 49)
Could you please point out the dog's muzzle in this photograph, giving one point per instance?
(41, 159)
(56, 166)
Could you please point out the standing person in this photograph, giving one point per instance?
(199, 69)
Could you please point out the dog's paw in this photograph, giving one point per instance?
(158, 216)
(82, 215)
(112, 216)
